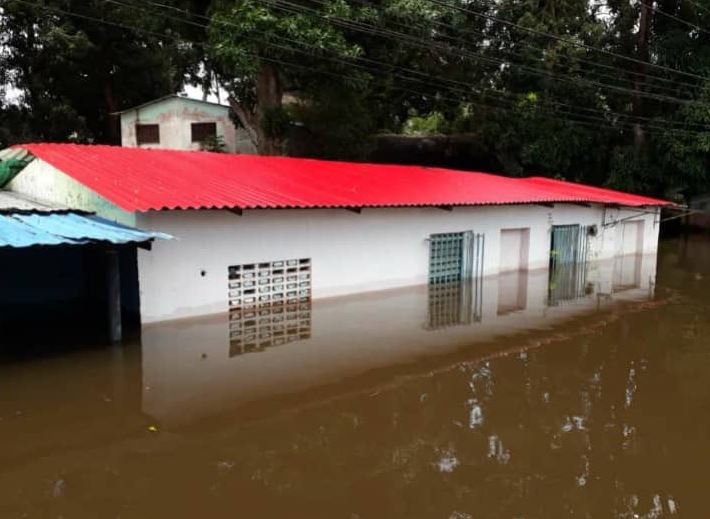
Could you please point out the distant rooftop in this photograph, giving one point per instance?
(168, 97)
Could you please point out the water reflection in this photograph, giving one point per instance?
(454, 303)
(533, 411)
(512, 292)
(568, 281)
(252, 329)
(346, 337)
(627, 272)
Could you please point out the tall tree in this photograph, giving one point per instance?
(77, 62)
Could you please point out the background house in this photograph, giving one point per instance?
(181, 123)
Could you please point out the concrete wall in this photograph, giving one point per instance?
(44, 182)
(375, 250)
(175, 116)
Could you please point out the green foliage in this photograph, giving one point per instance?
(338, 124)
(434, 123)
(74, 72)
(213, 143)
(537, 105)
(276, 122)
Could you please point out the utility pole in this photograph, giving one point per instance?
(642, 39)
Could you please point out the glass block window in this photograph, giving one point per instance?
(269, 304)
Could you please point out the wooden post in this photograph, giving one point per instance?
(113, 295)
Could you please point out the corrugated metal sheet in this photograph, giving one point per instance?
(140, 180)
(31, 230)
(16, 203)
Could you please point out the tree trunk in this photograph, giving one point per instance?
(247, 118)
(642, 39)
(112, 120)
(269, 95)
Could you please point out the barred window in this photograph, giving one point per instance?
(203, 131)
(455, 278)
(148, 133)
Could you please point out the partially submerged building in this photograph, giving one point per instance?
(254, 231)
(64, 265)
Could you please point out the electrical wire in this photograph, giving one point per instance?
(285, 63)
(466, 92)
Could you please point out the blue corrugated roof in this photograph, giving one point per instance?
(30, 230)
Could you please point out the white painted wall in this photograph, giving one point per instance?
(175, 116)
(514, 249)
(375, 250)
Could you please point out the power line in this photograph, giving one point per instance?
(699, 6)
(677, 19)
(412, 71)
(465, 92)
(573, 58)
(562, 39)
(287, 6)
(464, 42)
(607, 126)
(533, 47)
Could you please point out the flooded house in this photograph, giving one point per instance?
(268, 234)
(182, 123)
(63, 265)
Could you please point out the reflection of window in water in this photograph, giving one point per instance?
(513, 277)
(455, 278)
(512, 291)
(254, 329)
(568, 263)
(269, 304)
(627, 272)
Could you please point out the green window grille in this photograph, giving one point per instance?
(568, 263)
(455, 278)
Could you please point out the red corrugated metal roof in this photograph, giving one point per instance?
(140, 180)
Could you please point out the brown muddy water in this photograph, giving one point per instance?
(588, 400)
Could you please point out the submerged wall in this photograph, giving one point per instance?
(351, 253)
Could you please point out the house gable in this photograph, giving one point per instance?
(42, 181)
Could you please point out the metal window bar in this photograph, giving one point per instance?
(455, 278)
(568, 263)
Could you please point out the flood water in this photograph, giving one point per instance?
(587, 396)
